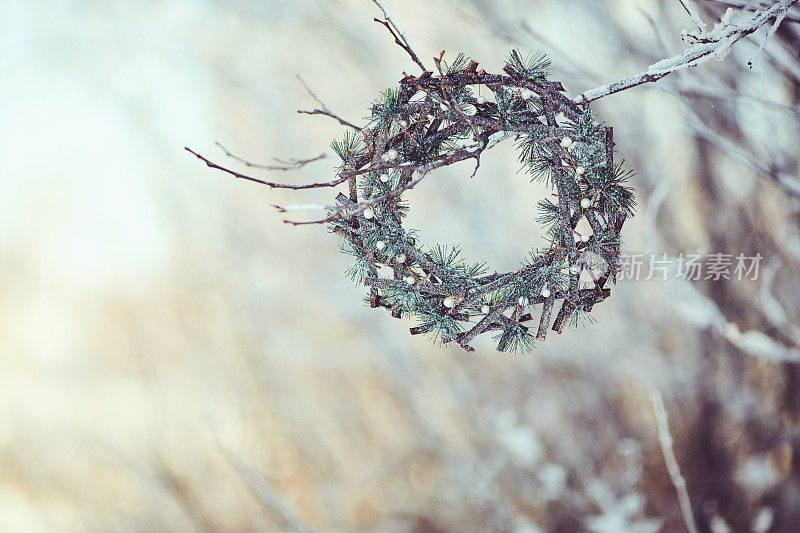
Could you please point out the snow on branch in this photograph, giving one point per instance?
(708, 44)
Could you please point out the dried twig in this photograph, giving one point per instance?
(333, 183)
(292, 164)
(673, 469)
(400, 36)
(325, 110)
(261, 489)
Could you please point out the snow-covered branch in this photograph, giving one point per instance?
(714, 43)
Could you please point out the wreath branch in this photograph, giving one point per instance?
(400, 36)
(356, 208)
(273, 185)
(325, 110)
(292, 164)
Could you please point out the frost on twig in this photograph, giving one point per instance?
(769, 34)
(747, 5)
(707, 45)
(694, 15)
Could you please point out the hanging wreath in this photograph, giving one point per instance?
(435, 120)
(431, 121)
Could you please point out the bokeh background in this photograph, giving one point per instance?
(174, 358)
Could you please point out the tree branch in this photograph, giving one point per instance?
(752, 6)
(711, 44)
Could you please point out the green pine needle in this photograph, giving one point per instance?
(347, 146)
(459, 65)
(515, 338)
(534, 67)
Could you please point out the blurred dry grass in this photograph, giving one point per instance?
(172, 353)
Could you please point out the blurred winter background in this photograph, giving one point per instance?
(174, 358)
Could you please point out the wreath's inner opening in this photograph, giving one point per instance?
(492, 217)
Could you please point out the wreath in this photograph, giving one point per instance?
(435, 120)
(431, 121)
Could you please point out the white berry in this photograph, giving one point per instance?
(401, 258)
(585, 203)
(391, 155)
(566, 142)
(449, 302)
(580, 171)
(410, 280)
(485, 309)
(369, 213)
(480, 99)
(380, 245)
(384, 178)
(527, 94)
(585, 237)
(546, 292)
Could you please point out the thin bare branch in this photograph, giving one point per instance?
(401, 38)
(265, 494)
(341, 179)
(325, 110)
(292, 164)
(299, 207)
(665, 438)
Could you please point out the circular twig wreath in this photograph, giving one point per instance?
(435, 120)
(431, 121)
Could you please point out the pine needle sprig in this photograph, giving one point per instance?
(516, 338)
(534, 67)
